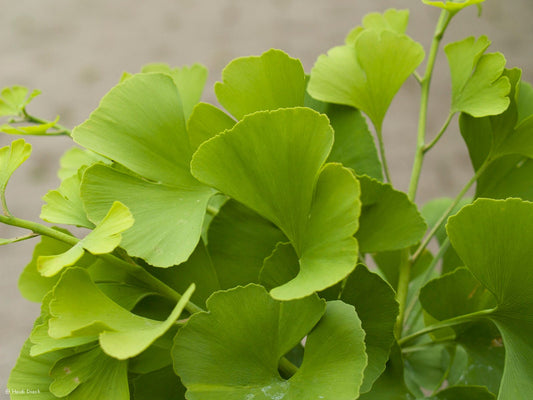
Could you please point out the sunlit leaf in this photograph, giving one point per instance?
(478, 87)
(12, 157)
(40, 129)
(64, 205)
(268, 82)
(104, 238)
(90, 375)
(389, 220)
(75, 158)
(272, 163)
(366, 73)
(220, 360)
(502, 231)
(141, 124)
(190, 81)
(13, 100)
(121, 334)
(391, 20)
(375, 303)
(205, 122)
(452, 6)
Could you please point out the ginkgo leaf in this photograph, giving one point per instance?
(389, 220)
(162, 384)
(272, 163)
(391, 20)
(367, 73)
(13, 100)
(90, 374)
(140, 124)
(502, 230)
(190, 81)
(205, 122)
(12, 157)
(121, 334)
(64, 205)
(452, 6)
(220, 360)
(478, 87)
(75, 158)
(268, 82)
(104, 238)
(40, 129)
(464, 392)
(375, 303)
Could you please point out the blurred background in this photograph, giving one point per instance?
(76, 50)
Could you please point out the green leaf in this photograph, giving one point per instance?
(198, 269)
(90, 375)
(121, 334)
(40, 129)
(32, 285)
(367, 73)
(104, 238)
(354, 145)
(525, 101)
(503, 231)
(64, 205)
(375, 303)
(30, 379)
(464, 392)
(272, 163)
(478, 87)
(220, 360)
(389, 220)
(12, 157)
(508, 176)
(239, 241)
(162, 384)
(268, 82)
(140, 124)
(453, 6)
(13, 100)
(172, 215)
(391, 20)
(205, 122)
(391, 384)
(75, 158)
(190, 82)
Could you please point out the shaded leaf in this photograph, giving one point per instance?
(389, 220)
(217, 360)
(375, 303)
(464, 392)
(503, 231)
(272, 163)
(205, 122)
(268, 82)
(75, 158)
(162, 384)
(121, 334)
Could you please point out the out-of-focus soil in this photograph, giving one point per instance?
(76, 50)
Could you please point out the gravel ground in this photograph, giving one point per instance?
(76, 50)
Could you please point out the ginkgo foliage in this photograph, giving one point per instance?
(257, 249)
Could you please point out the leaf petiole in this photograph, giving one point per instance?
(439, 135)
(60, 129)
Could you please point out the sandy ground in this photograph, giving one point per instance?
(76, 50)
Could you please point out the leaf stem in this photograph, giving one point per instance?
(439, 135)
(446, 213)
(5, 209)
(61, 130)
(402, 291)
(379, 132)
(133, 269)
(425, 83)
(447, 323)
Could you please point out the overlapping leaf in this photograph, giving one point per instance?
(389, 220)
(216, 359)
(367, 72)
(14, 99)
(502, 231)
(141, 124)
(478, 87)
(12, 157)
(272, 163)
(104, 238)
(121, 334)
(75, 158)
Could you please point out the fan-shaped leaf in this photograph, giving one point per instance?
(452, 6)
(12, 157)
